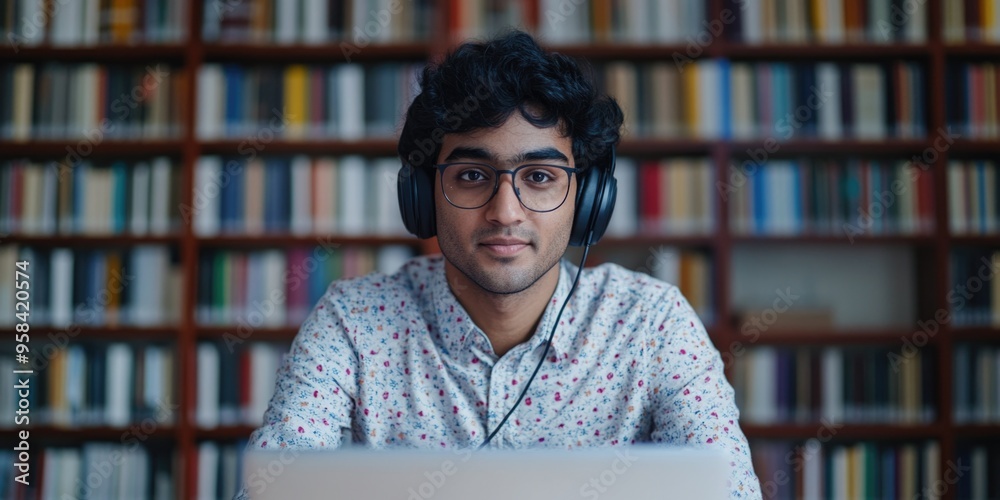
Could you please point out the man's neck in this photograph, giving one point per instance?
(508, 320)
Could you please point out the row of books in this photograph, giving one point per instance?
(349, 195)
(716, 98)
(220, 467)
(839, 471)
(973, 99)
(974, 294)
(976, 383)
(235, 382)
(608, 21)
(137, 198)
(691, 272)
(346, 101)
(136, 286)
(273, 288)
(97, 384)
(91, 22)
(972, 197)
(828, 21)
(90, 102)
(981, 481)
(842, 385)
(825, 197)
(967, 21)
(663, 196)
(356, 23)
(93, 470)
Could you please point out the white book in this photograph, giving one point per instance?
(763, 380)
(839, 480)
(833, 370)
(753, 22)
(86, 98)
(984, 393)
(353, 193)
(207, 196)
(956, 204)
(389, 258)
(710, 99)
(69, 474)
(553, 26)
(66, 26)
(51, 462)
(30, 31)
(812, 473)
(932, 470)
(385, 172)
(264, 359)
(118, 387)
(275, 265)
(351, 98)
(211, 101)
(828, 115)
(149, 266)
(302, 193)
(625, 218)
(207, 407)
(315, 15)
(834, 13)
(286, 22)
(139, 220)
(916, 25)
(152, 382)
(979, 474)
(159, 216)
(61, 287)
(91, 22)
(208, 464)
(664, 264)
(869, 101)
(881, 25)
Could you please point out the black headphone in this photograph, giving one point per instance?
(596, 191)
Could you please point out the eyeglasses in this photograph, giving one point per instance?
(539, 187)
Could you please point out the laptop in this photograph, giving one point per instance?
(637, 472)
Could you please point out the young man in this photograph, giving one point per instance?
(438, 354)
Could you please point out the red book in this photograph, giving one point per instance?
(649, 196)
(977, 111)
(316, 101)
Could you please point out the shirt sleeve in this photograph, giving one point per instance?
(315, 389)
(693, 402)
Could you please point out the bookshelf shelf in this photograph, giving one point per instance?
(981, 240)
(119, 333)
(224, 433)
(852, 337)
(848, 147)
(977, 431)
(64, 435)
(103, 149)
(270, 333)
(841, 239)
(852, 52)
(378, 146)
(977, 146)
(290, 240)
(973, 50)
(848, 432)
(97, 53)
(665, 146)
(598, 51)
(653, 239)
(325, 54)
(83, 241)
(976, 334)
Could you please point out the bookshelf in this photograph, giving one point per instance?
(945, 44)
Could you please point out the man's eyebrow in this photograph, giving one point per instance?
(474, 153)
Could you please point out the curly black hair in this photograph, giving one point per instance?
(480, 84)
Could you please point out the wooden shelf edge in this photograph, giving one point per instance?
(90, 241)
(339, 51)
(126, 333)
(72, 148)
(826, 430)
(97, 53)
(96, 433)
(297, 240)
(917, 240)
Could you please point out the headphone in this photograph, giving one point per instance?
(596, 191)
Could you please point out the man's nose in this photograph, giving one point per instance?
(505, 208)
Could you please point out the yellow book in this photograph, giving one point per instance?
(296, 92)
(691, 100)
(986, 15)
(57, 388)
(818, 20)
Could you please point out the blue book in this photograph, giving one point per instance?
(725, 103)
(119, 202)
(760, 182)
(234, 99)
(797, 211)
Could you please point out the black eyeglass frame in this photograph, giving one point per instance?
(496, 182)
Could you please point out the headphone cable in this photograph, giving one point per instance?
(583, 260)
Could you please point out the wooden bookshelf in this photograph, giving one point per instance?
(720, 244)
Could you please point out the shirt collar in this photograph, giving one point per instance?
(455, 329)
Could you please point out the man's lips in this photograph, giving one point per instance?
(505, 246)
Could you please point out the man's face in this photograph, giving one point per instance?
(502, 246)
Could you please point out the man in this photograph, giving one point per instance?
(438, 354)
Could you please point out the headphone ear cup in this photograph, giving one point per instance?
(415, 192)
(586, 197)
(595, 202)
